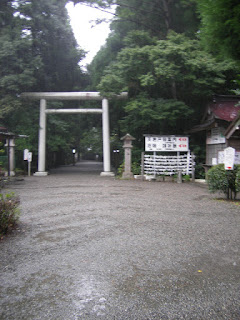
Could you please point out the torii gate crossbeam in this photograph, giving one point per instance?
(44, 96)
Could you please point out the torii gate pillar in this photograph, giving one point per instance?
(42, 140)
(106, 140)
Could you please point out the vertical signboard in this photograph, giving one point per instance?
(229, 156)
(25, 154)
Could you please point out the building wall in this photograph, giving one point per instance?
(234, 143)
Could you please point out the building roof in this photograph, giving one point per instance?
(226, 108)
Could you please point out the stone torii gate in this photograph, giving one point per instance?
(44, 96)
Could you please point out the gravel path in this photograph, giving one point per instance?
(91, 247)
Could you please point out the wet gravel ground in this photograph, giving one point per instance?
(91, 247)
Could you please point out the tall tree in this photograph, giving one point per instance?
(52, 39)
(17, 64)
(220, 30)
(38, 52)
(160, 63)
(167, 81)
(157, 17)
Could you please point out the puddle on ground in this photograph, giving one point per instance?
(90, 297)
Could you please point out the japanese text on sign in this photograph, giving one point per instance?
(166, 143)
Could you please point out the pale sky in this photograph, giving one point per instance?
(89, 37)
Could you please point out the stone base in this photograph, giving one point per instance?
(139, 177)
(40, 174)
(127, 175)
(107, 174)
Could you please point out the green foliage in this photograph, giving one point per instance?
(226, 181)
(135, 169)
(38, 52)
(91, 141)
(146, 114)
(156, 16)
(220, 29)
(172, 68)
(237, 181)
(104, 57)
(152, 52)
(167, 83)
(9, 212)
(186, 178)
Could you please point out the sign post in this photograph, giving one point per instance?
(229, 157)
(27, 156)
(29, 163)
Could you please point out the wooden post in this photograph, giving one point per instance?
(154, 164)
(193, 168)
(142, 165)
(188, 162)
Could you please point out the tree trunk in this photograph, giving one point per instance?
(174, 89)
(166, 14)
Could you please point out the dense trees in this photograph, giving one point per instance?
(220, 27)
(38, 52)
(160, 61)
(170, 55)
(167, 81)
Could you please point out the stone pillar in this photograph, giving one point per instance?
(106, 140)
(10, 144)
(127, 146)
(42, 140)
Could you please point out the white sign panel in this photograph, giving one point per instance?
(29, 156)
(216, 136)
(166, 143)
(229, 156)
(221, 157)
(25, 154)
(237, 158)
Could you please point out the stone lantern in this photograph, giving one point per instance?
(10, 144)
(127, 146)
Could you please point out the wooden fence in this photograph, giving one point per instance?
(168, 165)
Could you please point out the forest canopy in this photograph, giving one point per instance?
(170, 55)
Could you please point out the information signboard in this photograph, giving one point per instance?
(221, 157)
(166, 143)
(216, 136)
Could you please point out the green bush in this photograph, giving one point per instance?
(237, 182)
(9, 212)
(135, 168)
(186, 178)
(226, 181)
